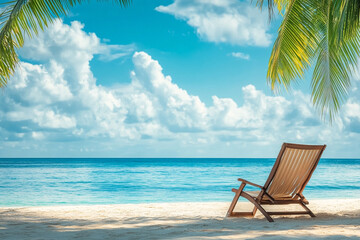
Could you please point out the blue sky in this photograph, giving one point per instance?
(177, 46)
(161, 79)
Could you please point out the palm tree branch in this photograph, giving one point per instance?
(348, 12)
(294, 46)
(25, 18)
(335, 62)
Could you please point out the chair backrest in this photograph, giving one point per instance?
(292, 170)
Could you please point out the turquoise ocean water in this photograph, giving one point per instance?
(40, 182)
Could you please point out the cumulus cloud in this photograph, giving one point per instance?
(226, 21)
(176, 109)
(58, 41)
(58, 100)
(351, 109)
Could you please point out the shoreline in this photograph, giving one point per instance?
(241, 200)
(336, 219)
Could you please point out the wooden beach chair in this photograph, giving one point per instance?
(291, 172)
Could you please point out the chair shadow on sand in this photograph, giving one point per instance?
(32, 226)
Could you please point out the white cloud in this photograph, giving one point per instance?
(49, 119)
(113, 52)
(176, 108)
(351, 109)
(59, 101)
(240, 55)
(37, 135)
(65, 38)
(226, 21)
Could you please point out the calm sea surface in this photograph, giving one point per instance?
(34, 182)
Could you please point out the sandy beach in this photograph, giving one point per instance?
(336, 219)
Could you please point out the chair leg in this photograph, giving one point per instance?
(308, 210)
(234, 201)
(254, 211)
(258, 206)
(239, 193)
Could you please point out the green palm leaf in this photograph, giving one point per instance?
(26, 17)
(336, 58)
(348, 14)
(322, 32)
(294, 46)
(271, 4)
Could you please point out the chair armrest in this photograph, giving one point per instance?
(261, 187)
(250, 183)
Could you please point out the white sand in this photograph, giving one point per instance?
(336, 219)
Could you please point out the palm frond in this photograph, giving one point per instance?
(294, 46)
(335, 62)
(326, 33)
(348, 14)
(271, 4)
(27, 17)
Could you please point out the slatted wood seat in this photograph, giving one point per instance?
(291, 172)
